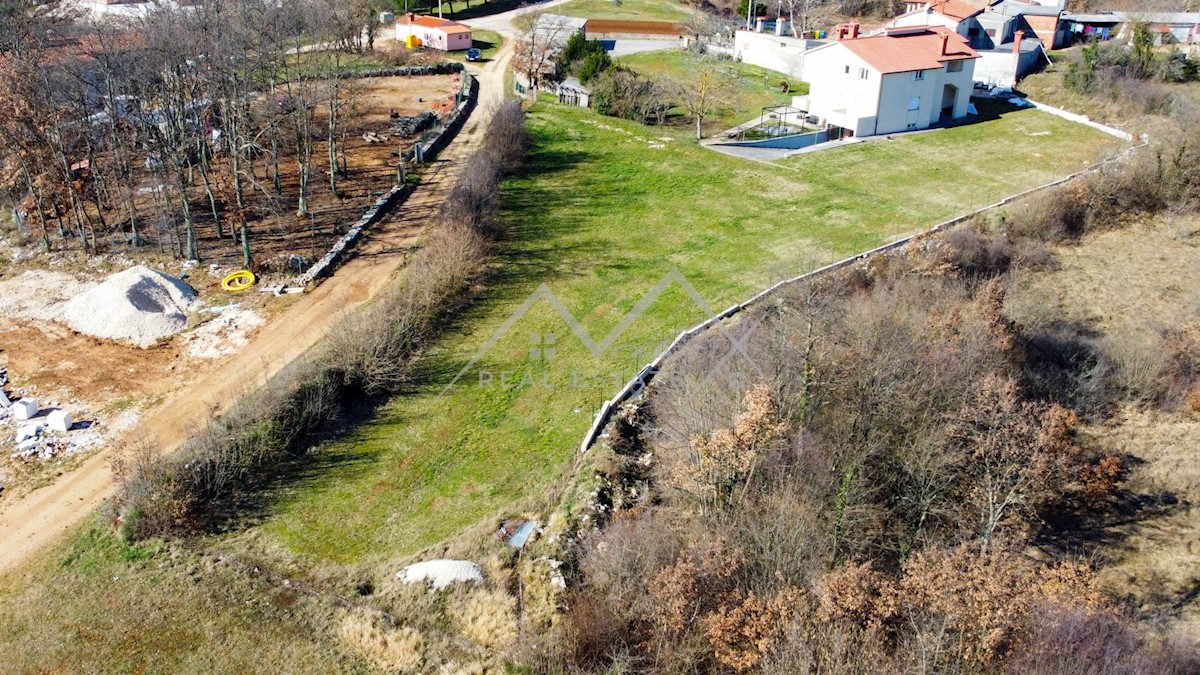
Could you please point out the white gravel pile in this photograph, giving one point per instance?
(139, 306)
(441, 573)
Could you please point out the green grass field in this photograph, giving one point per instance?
(642, 10)
(754, 87)
(603, 211)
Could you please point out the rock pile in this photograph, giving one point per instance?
(139, 306)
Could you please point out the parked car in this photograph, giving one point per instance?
(474, 54)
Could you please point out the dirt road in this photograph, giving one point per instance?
(41, 517)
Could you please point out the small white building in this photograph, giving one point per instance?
(773, 51)
(415, 30)
(900, 80)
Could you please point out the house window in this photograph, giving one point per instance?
(862, 73)
(954, 67)
(918, 74)
(847, 70)
(914, 103)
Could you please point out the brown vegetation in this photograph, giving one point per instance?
(888, 481)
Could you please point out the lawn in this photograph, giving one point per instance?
(642, 10)
(754, 87)
(604, 210)
(486, 41)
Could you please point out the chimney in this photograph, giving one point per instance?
(779, 26)
(945, 43)
(758, 24)
(854, 31)
(411, 16)
(1017, 42)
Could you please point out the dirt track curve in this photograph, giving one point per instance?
(41, 517)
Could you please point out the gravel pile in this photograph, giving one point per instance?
(139, 306)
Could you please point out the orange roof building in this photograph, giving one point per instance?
(417, 30)
(902, 79)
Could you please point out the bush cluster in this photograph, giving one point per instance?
(370, 353)
(860, 495)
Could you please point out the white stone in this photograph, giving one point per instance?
(441, 573)
(59, 420)
(4, 402)
(28, 431)
(25, 408)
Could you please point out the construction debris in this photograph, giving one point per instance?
(407, 127)
(24, 409)
(59, 420)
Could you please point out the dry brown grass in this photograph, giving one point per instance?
(1130, 285)
(389, 649)
(487, 617)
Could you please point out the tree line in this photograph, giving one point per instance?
(110, 131)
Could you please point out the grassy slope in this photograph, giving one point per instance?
(756, 87)
(95, 605)
(600, 216)
(641, 10)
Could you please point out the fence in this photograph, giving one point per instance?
(637, 385)
(427, 148)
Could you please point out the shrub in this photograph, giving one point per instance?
(977, 255)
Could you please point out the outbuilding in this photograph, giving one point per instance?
(417, 30)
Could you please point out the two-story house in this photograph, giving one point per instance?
(899, 80)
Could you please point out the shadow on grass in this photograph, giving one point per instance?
(524, 259)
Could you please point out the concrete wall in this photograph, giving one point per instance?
(792, 142)
(780, 53)
(1004, 67)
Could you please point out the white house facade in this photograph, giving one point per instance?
(901, 80)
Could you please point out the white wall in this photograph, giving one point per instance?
(783, 54)
(841, 98)
(923, 18)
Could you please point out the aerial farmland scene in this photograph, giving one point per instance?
(600, 337)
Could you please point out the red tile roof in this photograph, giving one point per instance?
(956, 9)
(900, 50)
(445, 25)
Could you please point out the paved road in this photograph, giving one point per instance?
(41, 517)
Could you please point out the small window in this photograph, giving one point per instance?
(918, 74)
(862, 73)
(914, 103)
(847, 70)
(954, 67)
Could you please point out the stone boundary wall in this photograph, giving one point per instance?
(635, 387)
(427, 151)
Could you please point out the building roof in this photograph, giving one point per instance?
(956, 9)
(1018, 8)
(445, 25)
(899, 50)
